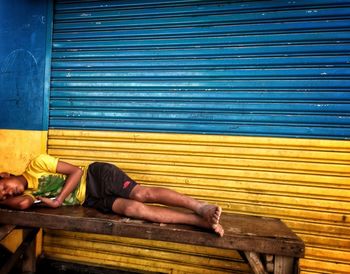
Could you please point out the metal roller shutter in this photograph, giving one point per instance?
(212, 68)
(266, 68)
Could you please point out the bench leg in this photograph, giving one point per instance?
(285, 265)
(255, 262)
(26, 244)
(273, 264)
(29, 258)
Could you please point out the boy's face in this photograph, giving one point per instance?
(10, 187)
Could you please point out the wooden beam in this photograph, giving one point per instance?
(269, 263)
(29, 257)
(5, 230)
(284, 265)
(255, 262)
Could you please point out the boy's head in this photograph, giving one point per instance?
(10, 186)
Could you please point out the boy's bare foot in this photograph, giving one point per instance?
(218, 229)
(211, 213)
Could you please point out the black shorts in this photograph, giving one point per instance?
(105, 183)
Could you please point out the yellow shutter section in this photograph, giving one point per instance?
(141, 255)
(305, 182)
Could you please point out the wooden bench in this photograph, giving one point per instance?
(267, 244)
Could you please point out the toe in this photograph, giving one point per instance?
(218, 230)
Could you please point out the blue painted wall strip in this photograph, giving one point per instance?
(268, 68)
(22, 64)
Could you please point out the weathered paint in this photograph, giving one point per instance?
(22, 64)
(24, 103)
(23, 130)
(297, 68)
(18, 147)
(305, 182)
(139, 255)
(253, 68)
(266, 68)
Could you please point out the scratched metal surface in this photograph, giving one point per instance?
(266, 68)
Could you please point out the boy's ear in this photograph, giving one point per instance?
(5, 175)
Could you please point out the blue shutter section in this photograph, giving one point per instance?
(266, 68)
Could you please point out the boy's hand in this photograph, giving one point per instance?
(54, 203)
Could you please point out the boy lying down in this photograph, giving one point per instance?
(105, 187)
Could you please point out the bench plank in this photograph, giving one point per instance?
(242, 232)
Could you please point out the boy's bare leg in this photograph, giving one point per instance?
(138, 210)
(211, 213)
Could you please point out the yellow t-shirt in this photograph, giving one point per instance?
(43, 180)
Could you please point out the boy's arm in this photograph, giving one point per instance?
(74, 174)
(18, 202)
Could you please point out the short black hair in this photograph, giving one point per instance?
(10, 176)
